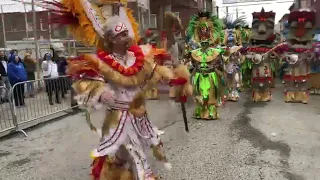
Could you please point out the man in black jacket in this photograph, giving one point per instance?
(4, 81)
(62, 66)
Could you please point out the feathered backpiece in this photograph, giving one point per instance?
(172, 25)
(207, 20)
(229, 23)
(88, 19)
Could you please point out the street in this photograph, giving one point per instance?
(251, 141)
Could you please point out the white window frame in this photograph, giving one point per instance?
(153, 17)
(177, 14)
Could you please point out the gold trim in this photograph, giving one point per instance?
(209, 58)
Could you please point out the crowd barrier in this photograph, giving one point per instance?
(6, 114)
(36, 100)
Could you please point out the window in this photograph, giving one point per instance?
(56, 33)
(41, 25)
(29, 24)
(153, 21)
(177, 14)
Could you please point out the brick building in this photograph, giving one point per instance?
(17, 23)
(18, 18)
(183, 8)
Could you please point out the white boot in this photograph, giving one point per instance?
(158, 132)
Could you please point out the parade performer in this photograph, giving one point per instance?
(160, 55)
(118, 76)
(245, 35)
(206, 80)
(232, 60)
(315, 71)
(261, 53)
(299, 53)
(168, 38)
(205, 28)
(246, 65)
(232, 33)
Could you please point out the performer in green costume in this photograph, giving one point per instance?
(204, 33)
(207, 80)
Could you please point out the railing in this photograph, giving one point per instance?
(6, 114)
(28, 104)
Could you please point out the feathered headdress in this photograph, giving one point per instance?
(232, 24)
(204, 19)
(88, 20)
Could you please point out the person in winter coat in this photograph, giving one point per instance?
(51, 75)
(64, 81)
(16, 74)
(14, 52)
(4, 81)
(30, 65)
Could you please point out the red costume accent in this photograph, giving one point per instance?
(263, 16)
(97, 166)
(127, 71)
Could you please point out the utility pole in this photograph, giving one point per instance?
(217, 9)
(36, 39)
(149, 14)
(26, 20)
(49, 26)
(237, 13)
(3, 27)
(227, 10)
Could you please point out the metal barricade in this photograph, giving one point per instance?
(31, 103)
(7, 121)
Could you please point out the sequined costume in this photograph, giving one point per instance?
(204, 32)
(299, 55)
(117, 76)
(261, 55)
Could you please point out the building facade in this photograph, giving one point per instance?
(17, 26)
(183, 8)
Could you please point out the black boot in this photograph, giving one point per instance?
(50, 100)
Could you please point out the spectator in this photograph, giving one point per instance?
(283, 70)
(51, 75)
(17, 74)
(4, 81)
(62, 66)
(30, 65)
(13, 52)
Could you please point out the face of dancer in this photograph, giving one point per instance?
(122, 39)
(205, 45)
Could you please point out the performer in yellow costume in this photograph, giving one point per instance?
(117, 76)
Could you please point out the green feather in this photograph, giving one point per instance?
(217, 26)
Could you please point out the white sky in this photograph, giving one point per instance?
(280, 7)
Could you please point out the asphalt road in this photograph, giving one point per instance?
(252, 141)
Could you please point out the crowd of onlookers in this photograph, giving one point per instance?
(15, 70)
